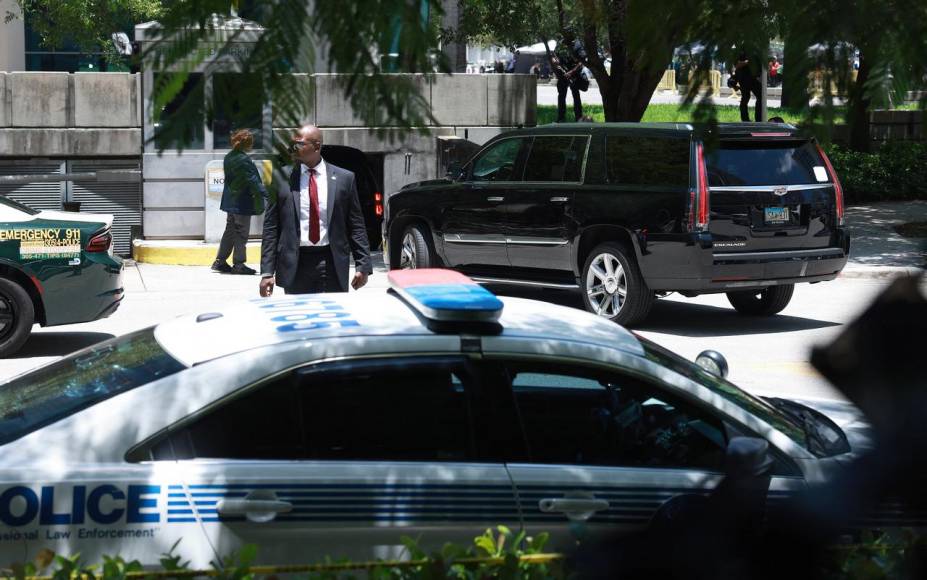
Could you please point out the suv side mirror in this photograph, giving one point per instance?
(454, 171)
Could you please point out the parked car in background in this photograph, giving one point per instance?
(624, 212)
(55, 268)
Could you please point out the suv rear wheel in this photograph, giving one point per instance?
(613, 286)
(414, 251)
(16, 317)
(765, 302)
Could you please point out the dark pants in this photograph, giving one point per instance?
(315, 272)
(235, 237)
(562, 88)
(745, 90)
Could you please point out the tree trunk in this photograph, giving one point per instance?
(627, 101)
(858, 110)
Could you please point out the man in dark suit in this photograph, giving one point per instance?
(313, 226)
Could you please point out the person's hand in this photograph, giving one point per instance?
(360, 279)
(267, 286)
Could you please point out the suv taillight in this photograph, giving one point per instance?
(100, 242)
(378, 203)
(838, 189)
(698, 216)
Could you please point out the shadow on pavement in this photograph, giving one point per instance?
(682, 318)
(59, 343)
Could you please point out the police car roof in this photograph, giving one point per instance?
(373, 313)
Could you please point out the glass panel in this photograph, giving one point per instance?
(81, 380)
(648, 161)
(556, 159)
(764, 163)
(237, 104)
(352, 412)
(498, 162)
(585, 418)
(187, 102)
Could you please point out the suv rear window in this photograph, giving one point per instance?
(51, 393)
(765, 163)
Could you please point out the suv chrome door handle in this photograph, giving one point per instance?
(573, 508)
(559, 199)
(496, 198)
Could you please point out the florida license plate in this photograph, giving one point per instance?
(776, 215)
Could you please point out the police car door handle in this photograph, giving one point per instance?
(574, 508)
(240, 507)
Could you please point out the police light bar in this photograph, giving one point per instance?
(445, 296)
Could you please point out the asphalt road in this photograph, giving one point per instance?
(768, 355)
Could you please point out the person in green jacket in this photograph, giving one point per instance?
(242, 197)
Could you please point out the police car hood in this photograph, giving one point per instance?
(238, 327)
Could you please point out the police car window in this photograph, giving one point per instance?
(556, 158)
(392, 411)
(586, 418)
(647, 161)
(499, 162)
(80, 380)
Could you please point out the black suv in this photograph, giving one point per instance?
(624, 212)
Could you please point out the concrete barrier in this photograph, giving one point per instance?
(4, 102)
(512, 100)
(460, 99)
(105, 100)
(39, 99)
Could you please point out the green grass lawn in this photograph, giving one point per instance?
(665, 114)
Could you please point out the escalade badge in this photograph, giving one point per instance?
(780, 191)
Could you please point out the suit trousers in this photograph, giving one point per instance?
(315, 272)
(235, 237)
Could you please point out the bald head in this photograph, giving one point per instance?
(307, 145)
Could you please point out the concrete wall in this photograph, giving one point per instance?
(51, 114)
(12, 38)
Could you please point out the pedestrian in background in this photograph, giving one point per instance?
(242, 197)
(749, 82)
(566, 70)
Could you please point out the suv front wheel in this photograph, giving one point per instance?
(613, 286)
(765, 302)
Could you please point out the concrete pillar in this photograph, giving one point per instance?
(12, 38)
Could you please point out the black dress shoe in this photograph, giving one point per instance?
(220, 266)
(243, 270)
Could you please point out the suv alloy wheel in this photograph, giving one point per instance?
(613, 286)
(414, 252)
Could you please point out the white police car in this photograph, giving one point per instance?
(334, 424)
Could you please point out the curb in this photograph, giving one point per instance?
(880, 272)
(185, 253)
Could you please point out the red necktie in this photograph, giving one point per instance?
(313, 208)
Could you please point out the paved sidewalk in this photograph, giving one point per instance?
(876, 249)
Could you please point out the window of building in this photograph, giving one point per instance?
(556, 159)
(238, 102)
(647, 161)
(186, 105)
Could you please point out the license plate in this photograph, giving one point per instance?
(776, 215)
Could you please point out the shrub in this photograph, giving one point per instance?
(895, 171)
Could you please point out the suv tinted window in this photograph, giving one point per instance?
(400, 410)
(499, 162)
(765, 163)
(649, 161)
(556, 158)
(585, 418)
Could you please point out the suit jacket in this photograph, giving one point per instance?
(347, 231)
(243, 192)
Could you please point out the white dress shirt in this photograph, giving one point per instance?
(321, 180)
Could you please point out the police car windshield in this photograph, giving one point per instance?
(51, 393)
(754, 405)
